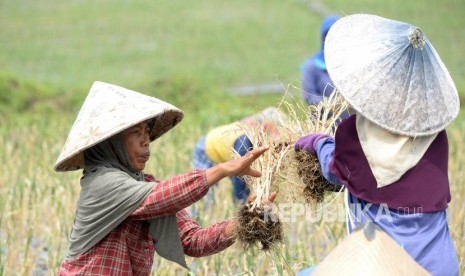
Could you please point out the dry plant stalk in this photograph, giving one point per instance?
(300, 172)
(258, 222)
(259, 226)
(293, 175)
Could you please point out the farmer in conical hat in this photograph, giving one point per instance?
(392, 155)
(123, 215)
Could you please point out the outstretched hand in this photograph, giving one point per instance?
(242, 166)
(236, 167)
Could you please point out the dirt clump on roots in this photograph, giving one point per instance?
(259, 226)
(309, 170)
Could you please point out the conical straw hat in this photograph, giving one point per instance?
(369, 251)
(108, 110)
(390, 73)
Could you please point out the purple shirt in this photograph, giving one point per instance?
(424, 235)
(424, 187)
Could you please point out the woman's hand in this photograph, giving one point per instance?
(236, 167)
(271, 198)
(309, 142)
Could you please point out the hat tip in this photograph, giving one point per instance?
(416, 38)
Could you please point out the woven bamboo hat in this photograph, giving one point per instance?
(108, 110)
(390, 73)
(369, 251)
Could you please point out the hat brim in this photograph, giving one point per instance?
(163, 123)
(108, 110)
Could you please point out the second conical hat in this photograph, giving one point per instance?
(390, 73)
(369, 251)
(107, 110)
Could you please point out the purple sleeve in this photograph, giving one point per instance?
(325, 152)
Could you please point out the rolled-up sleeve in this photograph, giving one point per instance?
(198, 241)
(325, 152)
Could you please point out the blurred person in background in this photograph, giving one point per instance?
(223, 142)
(316, 82)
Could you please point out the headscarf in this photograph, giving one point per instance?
(111, 191)
(111, 153)
(390, 155)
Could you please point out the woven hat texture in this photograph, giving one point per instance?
(107, 110)
(369, 251)
(390, 73)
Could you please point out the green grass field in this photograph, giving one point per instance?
(187, 53)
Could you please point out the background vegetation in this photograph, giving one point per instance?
(189, 53)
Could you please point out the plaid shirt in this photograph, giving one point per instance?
(129, 250)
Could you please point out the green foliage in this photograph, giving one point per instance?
(187, 53)
(19, 95)
(222, 42)
(26, 99)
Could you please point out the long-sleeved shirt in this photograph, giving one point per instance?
(129, 249)
(425, 236)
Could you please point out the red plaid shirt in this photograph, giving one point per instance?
(129, 250)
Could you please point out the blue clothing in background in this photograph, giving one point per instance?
(240, 191)
(201, 161)
(425, 236)
(307, 271)
(316, 82)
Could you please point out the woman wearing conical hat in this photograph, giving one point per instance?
(392, 154)
(123, 215)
